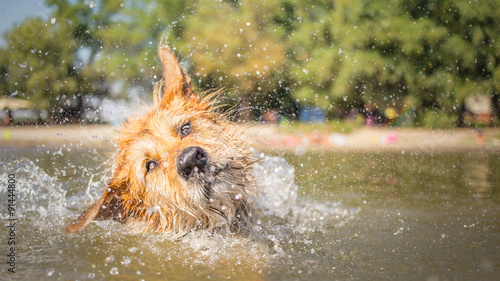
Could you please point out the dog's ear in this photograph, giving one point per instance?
(175, 80)
(107, 207)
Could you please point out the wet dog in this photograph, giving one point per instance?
(180, 167)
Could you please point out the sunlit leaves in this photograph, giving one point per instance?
(234, 46)
(332, 54)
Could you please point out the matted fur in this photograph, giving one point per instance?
(161, 200)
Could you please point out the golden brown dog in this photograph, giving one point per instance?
(180, 167)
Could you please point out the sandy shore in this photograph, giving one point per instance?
(78, 136)
(269, 137)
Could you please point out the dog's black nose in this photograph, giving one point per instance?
(193, 159)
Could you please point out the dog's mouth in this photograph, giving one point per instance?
(207, 179)
(210, 180)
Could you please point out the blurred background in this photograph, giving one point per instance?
(405, 63)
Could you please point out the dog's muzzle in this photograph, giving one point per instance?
(192, 160)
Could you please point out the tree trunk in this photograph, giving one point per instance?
(495, 111)
(461, 112)
(78, 111)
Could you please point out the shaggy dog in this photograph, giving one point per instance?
(179, 167)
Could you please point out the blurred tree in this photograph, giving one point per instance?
(128, 40)
(340, 55)
(349, 54)
(427, 54)
(40, 64)
(4, 60)
(235, 45)
(470, 51)
(313, 50)
(85, 48)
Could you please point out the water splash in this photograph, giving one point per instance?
(278, 197)
(39, 197)
(277, 192)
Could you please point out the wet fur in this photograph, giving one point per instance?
(161, 200)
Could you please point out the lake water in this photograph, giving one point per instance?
(393, 215)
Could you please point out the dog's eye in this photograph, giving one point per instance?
(150, 166)
(185, 130)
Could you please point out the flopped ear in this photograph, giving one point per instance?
(175, 80)
(108, 206)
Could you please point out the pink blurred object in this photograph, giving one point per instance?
(291, 141)
(389, 138)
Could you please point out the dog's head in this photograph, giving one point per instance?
(179, 167)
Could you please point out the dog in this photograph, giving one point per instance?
(180, 167)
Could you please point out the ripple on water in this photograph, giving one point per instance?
(283, 222)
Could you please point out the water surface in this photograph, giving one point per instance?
(323, 216)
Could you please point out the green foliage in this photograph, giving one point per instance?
(40, 62)
(382, 52)
(433, 119)
(83, 49)
(337, 55)
(235, 46)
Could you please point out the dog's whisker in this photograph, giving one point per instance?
(218, 212)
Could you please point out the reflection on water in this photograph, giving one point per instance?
(477, 176)
(322, 216)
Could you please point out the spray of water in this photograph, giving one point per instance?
(281, 218)
(39, 197)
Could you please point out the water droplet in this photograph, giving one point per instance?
(110, 259)
(51, 272)
(126, 260)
